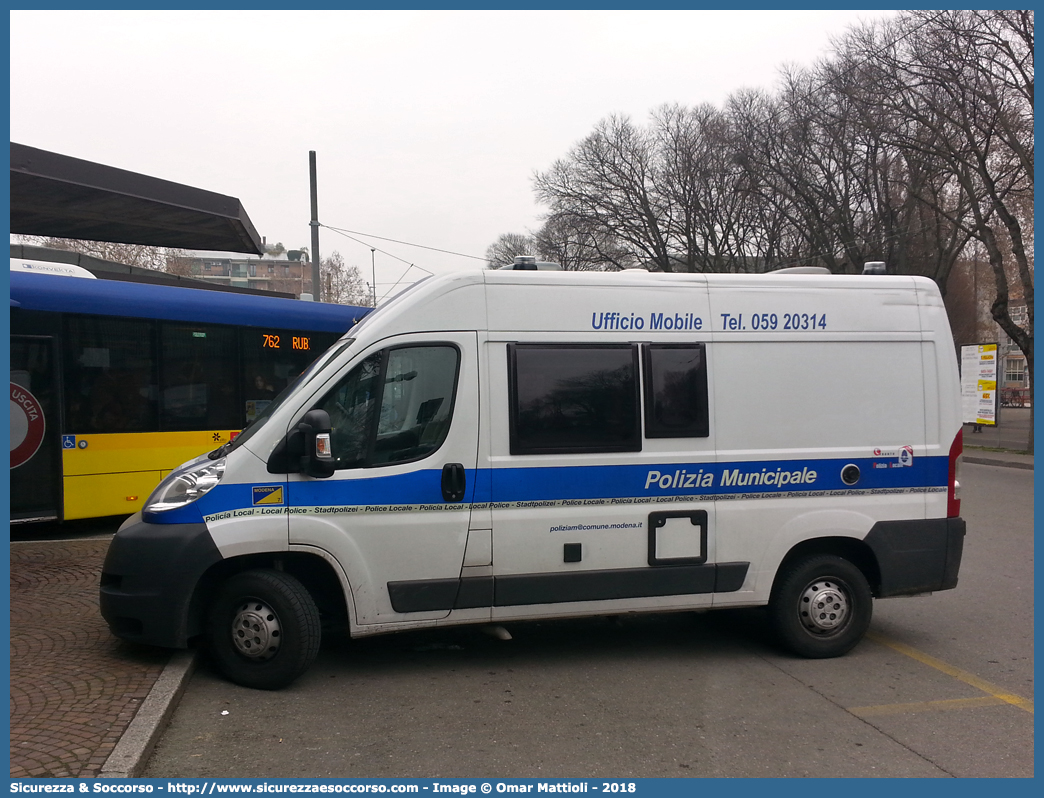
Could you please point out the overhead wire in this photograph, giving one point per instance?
(409, 266)
(350, 234)
(395, 241)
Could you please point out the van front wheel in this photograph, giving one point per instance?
(263, 629)
(821, 607)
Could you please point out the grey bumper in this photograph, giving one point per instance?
(917, 556)
(149, 580)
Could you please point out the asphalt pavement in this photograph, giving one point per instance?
(85, 704)
(1010, 434)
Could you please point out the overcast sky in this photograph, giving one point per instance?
(427, 125)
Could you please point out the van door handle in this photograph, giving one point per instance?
(454, 480)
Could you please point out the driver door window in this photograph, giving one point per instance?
(394, 407)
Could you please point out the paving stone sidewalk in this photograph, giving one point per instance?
(74, 687)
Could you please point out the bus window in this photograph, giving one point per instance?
(197, 378)
(271, 360)
(110, 375)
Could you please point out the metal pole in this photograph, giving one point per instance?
(373, 274)
(316, 285)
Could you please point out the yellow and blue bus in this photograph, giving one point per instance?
(115, 383)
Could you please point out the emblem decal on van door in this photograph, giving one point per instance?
(267, 494)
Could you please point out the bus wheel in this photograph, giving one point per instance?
(263, 629)
(821, 607)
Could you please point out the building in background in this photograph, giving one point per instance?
(289, 272)
(1014, 385)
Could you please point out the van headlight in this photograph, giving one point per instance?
(184, 485)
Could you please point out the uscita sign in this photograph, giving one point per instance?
(27, 425)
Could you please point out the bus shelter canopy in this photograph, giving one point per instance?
(56, 195)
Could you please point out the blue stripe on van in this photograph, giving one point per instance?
(682, 479)
(584, 482)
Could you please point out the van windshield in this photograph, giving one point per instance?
(260, 421)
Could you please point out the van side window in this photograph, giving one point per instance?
(394, 407)
(675, 390)
(573, 398)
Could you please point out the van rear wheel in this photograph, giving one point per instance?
(263, 629)
(821, 607)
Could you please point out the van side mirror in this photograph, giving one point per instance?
(314, 430)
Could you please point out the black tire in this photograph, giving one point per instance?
(263, 629)
(837, 624)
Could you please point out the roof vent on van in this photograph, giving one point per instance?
(874, 267)
(802, 270)
(528, 263)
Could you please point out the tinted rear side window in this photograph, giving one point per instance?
(573, 398)
(675, 391)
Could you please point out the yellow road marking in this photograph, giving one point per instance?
(968, 678)
(926, 706)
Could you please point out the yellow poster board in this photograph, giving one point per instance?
(979, 374)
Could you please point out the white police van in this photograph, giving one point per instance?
(509, 445)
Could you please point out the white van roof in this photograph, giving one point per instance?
(509, 301)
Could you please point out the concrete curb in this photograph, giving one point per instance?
(997, 462)
(128, 758)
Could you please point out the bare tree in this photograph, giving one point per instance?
(963, 80)
(507, 247)
(710, 227)
(566, 239)
(137, 255)
(671, 196)
(608, 182)
(178, 262)
(970, 296)
(577, 244)
(343, 284)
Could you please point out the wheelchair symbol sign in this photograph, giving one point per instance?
(68, 441)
